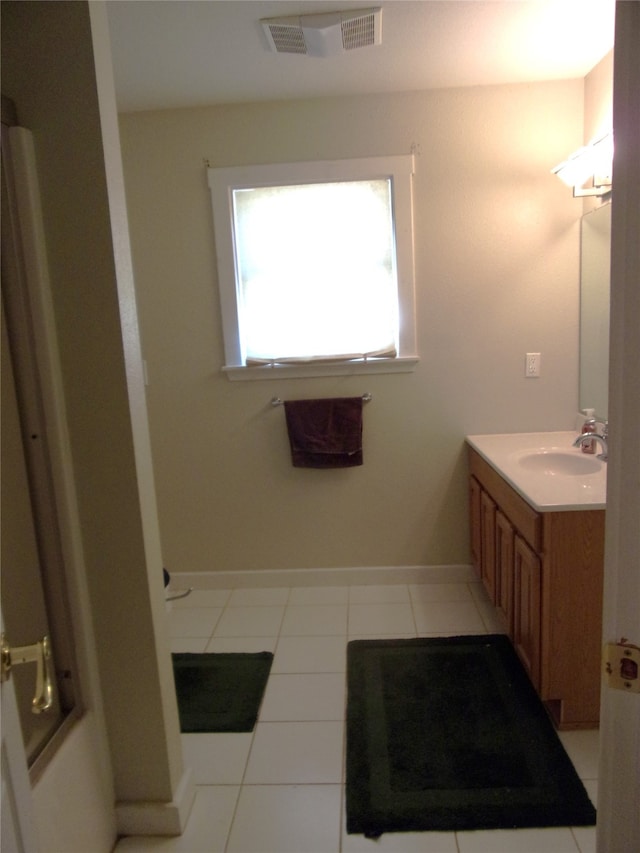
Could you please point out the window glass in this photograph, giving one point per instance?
(316, 270)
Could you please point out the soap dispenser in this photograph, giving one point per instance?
(589, 426)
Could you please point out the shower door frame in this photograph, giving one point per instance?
(31, 332)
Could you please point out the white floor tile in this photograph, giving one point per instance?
(477, 588)
(287, 819)
(585, 837)
(241, 645)
(193, 621)
(191, 645)
(447, 616)
(319, 595)
(591, 787)
(296, 753)
(320, 696)
(392, 594)
(258, 597)
(310, 654)
(315, 620)
(440, 592)
(206, 831)
(250, 621)
(554, 840)
(285, 776)
(201, 598)
(380, 619)
(217, 759)
(582, 747)
(492, 622)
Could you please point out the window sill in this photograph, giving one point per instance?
(405, 364)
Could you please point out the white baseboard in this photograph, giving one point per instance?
(360, 575)
(155, 818)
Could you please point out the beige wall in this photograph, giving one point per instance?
(598, 98)
(497, 276)
(598, 110)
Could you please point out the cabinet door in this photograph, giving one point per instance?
(488, 544)
(504, 570)
(526, 608)
(475, 523)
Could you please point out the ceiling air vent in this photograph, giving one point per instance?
(324, 35)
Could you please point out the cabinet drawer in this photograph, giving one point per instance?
(523, 517)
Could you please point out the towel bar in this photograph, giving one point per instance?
(276, 401)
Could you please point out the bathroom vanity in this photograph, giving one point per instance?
(537, 535)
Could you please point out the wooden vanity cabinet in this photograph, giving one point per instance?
(505, 542)
(475, 490)
(543, 572)
(488, 511)
(527, 588)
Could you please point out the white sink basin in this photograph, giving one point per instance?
(546, 470)
(558, 462)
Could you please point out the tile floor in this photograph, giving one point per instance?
(279, 789)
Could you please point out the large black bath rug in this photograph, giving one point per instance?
(448, 734)
(220, 692)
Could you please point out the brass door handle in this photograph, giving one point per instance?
(38, 653)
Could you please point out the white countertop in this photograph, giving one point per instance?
(544, 489)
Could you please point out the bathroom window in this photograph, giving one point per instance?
(315, 267)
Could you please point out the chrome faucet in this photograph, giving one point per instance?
(603, 439)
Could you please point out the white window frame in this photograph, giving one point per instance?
(222, 183)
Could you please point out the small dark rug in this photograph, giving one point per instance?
(448, 734)
(220, 692)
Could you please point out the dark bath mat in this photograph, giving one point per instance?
(220, 692)
(448, 734)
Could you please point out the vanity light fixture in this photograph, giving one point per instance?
(592, 162)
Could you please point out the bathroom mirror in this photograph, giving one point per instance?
(595, 258)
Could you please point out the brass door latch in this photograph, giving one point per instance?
(622, 665)
(38, 653)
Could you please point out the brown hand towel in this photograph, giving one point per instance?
(325, 433)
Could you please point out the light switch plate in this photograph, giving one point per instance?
(532, 365)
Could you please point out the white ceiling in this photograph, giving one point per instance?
(183, 53)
